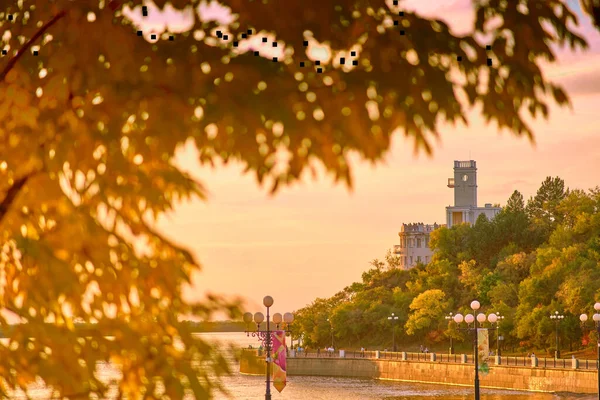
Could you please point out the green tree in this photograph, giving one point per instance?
(438, 274)
(513, 226)
(428, 310)
(542, 208)
(450, 244)
(515, 203)
(91, 115)
(483, 241)
(511, 271)
(565, 270)
(311, 322)
(392, 261)
(470, 276)
(579, 234)
(349, 324)
(377, 264)
(525, 286)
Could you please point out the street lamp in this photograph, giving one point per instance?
(331, 329)
(265, 336)
(596, 318)
(449, 318)
(394, 319)
(500, 318)
(285, 321)
(557, 317)
(470, 319)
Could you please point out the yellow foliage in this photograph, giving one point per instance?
(89, 127)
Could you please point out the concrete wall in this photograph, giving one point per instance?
(502, 377)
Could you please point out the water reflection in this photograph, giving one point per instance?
(325, 388)
(245, 387)
(329, 388)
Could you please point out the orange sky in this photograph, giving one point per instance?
(313, 239)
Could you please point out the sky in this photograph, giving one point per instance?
(313, 239)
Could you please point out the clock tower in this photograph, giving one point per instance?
(464, 183)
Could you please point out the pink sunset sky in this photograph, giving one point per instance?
(313, 239)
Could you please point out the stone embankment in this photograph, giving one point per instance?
(566, 376)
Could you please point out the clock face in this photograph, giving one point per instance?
(465, 178)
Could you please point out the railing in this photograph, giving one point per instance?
(588, 364)
(510, 361)
(449, 358)
(522, 361)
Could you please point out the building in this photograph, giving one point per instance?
(414, 238)
(465, 208)
(414, 244)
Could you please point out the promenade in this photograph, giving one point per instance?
(515, 373)
(540, 362)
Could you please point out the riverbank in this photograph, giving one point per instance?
(531, 377)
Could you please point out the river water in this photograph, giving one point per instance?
(246, 387)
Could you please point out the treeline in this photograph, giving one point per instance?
(531, 260)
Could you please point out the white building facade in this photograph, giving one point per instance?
(414, 238)
(414, 244)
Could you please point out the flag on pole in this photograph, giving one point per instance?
(279, 360)
(483, 348)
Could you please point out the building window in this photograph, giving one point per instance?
(411, 260)
(419, 242)
(427, 241)
(426, 259)
(418, 258)
(457, 218)
(404, 260)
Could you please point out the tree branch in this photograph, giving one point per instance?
(44, 28)
(188, 256)
(11, 194)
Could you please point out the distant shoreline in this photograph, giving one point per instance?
(195, 327)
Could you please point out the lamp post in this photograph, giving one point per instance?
(449, 318)
(394, 319)
(500, 318)
(285, 321)
(331, 329)
(265, 336)
(557, 317)
(470, 319)
(596, 318)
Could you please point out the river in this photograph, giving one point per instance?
(246, 387)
